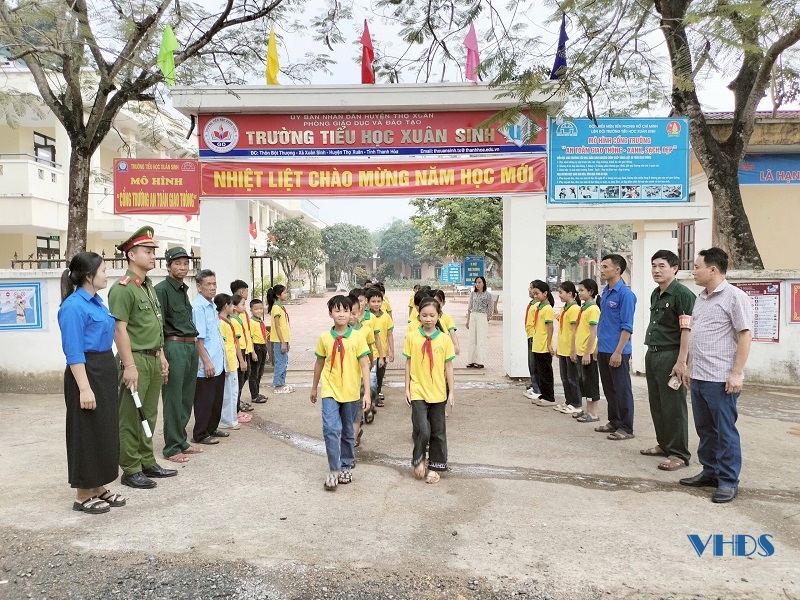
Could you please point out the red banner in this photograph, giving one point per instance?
(473, 177)
(368, 134)
(156, 186)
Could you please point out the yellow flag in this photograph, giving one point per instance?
(272, 59)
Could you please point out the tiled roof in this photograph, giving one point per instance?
(791, 115)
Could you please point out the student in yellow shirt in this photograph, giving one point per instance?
(356, 313)
(543, 350)
(411, 305)
(384, 339)
(241, 323)
(279, 337)
(228, 419)
(342, 365)
(447, 322)
(386, 306)
(584, 350)
(259, 333)
(429, 374)
(532, 391)
(567, 320)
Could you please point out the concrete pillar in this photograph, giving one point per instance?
(651, 236)
(524, 259)
(225, 239)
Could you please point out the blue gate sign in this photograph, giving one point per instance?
(473, 267)
(629, 160)
(451, 273)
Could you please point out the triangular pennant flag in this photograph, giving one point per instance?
(367, 56)
(473, 59)
(560, 63)
(272, 59)
(166, 56)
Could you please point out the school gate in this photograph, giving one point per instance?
(401, 140)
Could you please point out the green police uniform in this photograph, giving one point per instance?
(670, 312)
(180, 349)
(134, 301)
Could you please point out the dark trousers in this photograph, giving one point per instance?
(208, 395)
(569, 379)
(715, 413)
(544, 375)
(667, 406)
(178, 394)
(589, 379)
(243, 377)
(429, 430)
(257, 369)
(380, 372)
(532, 368)
(618, 390)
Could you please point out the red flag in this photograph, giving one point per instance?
(473, 59)
(188, 218)
(253, 230)
(367, 56)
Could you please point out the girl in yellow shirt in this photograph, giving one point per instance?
(447, 322)
(279, 337)
(543, 350)
(568, 369)
(241, 324)
(584, 350)
(228, 418)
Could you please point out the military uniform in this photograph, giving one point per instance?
(133, 301)
(670, 312)
(180, 349)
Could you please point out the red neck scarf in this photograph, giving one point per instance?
(563, 313)
(224, 320)
(427, 348)
(338, 344)
(263, 328)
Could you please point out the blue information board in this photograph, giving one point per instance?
(451, 273)
(473, 267)
(629, 160)
(770, 169)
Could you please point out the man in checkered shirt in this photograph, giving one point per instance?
(719, 344)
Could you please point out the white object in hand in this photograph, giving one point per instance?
(138, 402)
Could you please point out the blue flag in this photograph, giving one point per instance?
(560, 63)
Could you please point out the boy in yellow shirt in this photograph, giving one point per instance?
(384, 338)
(240, 322)
(357, 324)
(342, 356)
(259, 332)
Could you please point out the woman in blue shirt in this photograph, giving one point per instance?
(90, 385)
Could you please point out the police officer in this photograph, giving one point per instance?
(139, 337)
(180, 349)
(667, 339)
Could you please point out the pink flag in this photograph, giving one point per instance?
(367, 56)
(471, 42)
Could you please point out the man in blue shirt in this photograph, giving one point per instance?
(211, 372)
(617, 305)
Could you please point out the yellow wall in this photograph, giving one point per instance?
(774, 212)
(23, 245)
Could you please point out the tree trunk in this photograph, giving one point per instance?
(79, 178)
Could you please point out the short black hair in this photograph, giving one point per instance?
(616, 260)
(372, 292)
(357, 291)
(221, 300)
(354, 296)
(236, 299)
(381, 287)
(238, 284)
(420, 296)
(340, 301)
(667, 255)
(716, 257)
(255, 301)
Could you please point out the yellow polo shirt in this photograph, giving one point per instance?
(341, 377)
(413, 318)
(278, 313)
(255, 331)
(368, 334)
(530, 315)
(589, 315)
(544, 315)
(369, 322)
(567, 318)
(426, 384)
(447, 323)
(231, 362)
(242, 333)
(383, 325)
(386, 306)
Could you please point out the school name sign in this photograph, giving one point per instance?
(389, 178)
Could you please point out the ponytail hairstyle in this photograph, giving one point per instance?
(272, 295)
(83, 266)
(431, 301)
(439, 295)
(222, 300)
(590, 285)
(570, 288)
(540, 285)
(421, 295)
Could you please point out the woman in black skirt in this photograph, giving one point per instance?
(90, 385)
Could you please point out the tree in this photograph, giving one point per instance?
(460, 226)
(567, 244)
(89, 60)
(310, 262)
(397, 242)
(295, 244)
(346, 245)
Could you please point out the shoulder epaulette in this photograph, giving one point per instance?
(124, 280)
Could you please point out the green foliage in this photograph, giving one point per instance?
(397, 243)
(567, 244)
(460, 226)
(346, 245)
(360, 273)
(296, 244)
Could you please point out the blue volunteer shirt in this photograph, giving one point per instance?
(617, 306)
(86, 326)
(206, 320)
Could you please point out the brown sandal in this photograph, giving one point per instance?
(673, 463)
(654, 451)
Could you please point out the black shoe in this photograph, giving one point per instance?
(159, 471)
(700, 480)
(208, 440)
(259, 399)
(137, 480)
(218, 433)
(725, 493)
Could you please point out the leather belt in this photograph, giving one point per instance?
(662, 348)
(154, 352)
(177, 338)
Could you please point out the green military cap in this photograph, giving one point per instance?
(142, 237)
(173, 253)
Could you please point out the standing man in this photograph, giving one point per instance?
(617, 305)
(180, 349)
(667, 340)
(139, 336)
(719, 345)
(210, 385)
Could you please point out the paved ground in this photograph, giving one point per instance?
(536, 505)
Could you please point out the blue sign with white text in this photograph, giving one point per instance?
(628, 160)
(473, 267)
(451, 273)
(770, 169)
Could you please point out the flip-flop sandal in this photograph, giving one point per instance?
(283, 390)
(193, 450)
(587, 418)
(620, 435)
(432, 477)
(244, 418)
(653, 452)
(673, 463)
(578, 415)
(345, 477)
(247, 407)
(259, 399)
(180, 457)
(112, 499)
(605, 428)
(92, 506)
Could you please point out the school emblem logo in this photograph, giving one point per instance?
(122, 166)
(566, 129)
(221, 135)
(673, 129)
(519, 131)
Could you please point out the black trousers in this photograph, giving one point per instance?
(207, 405)
(532, 368)
(589, 379)
(429, 430)
(380, 372)
(544, 375)
(257, 369)
(618, 390)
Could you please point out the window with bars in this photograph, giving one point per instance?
(686, 245)
(44, 147)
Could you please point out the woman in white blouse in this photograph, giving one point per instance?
(482, 304)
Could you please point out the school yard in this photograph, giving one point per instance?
(535, 506)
